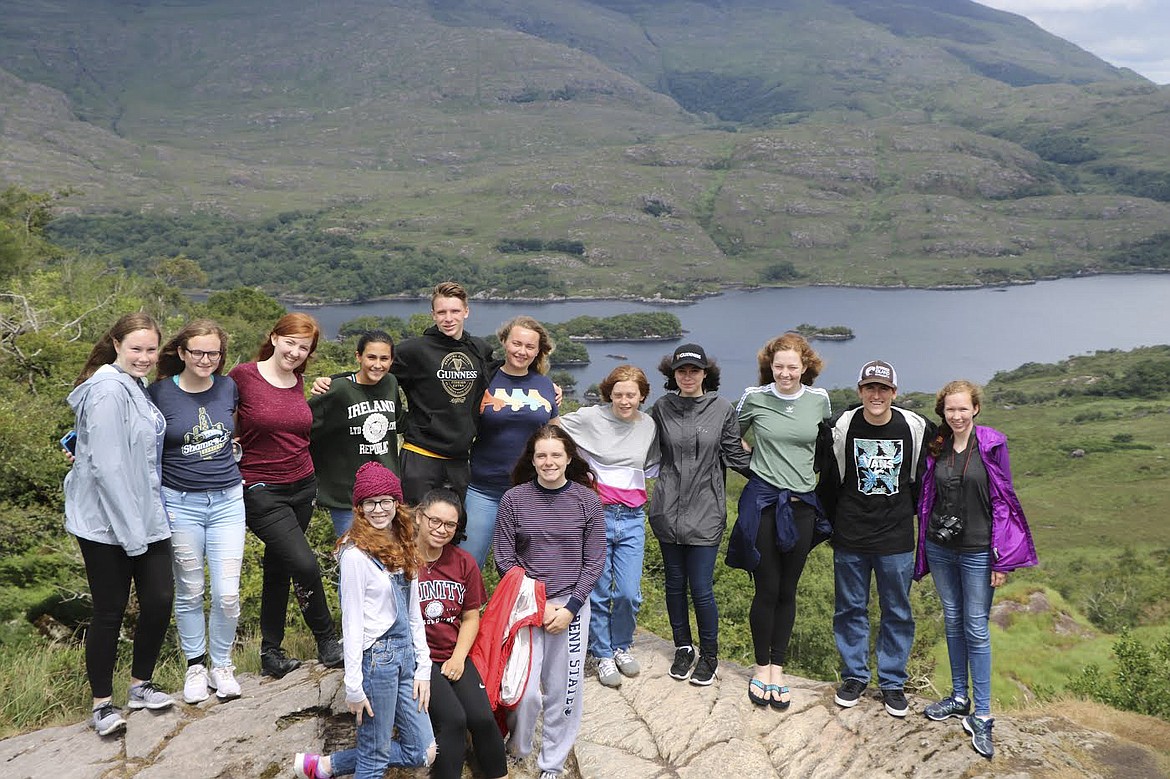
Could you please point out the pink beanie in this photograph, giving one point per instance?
(375, 479)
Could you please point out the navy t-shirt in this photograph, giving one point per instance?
(511, 410)
(197, 448)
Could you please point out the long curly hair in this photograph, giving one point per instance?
(394, 547)
(938, 443)
(790, 342)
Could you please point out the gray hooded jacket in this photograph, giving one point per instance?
(113, 492)
(699, 439)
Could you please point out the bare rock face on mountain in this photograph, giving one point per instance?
(653, 726)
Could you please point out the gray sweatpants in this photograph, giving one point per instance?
(558, 662)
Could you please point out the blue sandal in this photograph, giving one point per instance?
(776, 703)
(758, 700)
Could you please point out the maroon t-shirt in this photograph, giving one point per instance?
(448, 587)
(273, 425)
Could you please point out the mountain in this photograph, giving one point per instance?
(685, 145)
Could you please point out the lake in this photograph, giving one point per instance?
(930, 336)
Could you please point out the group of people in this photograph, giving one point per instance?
(166, 477)
(859, 479)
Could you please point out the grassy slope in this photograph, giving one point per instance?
(449, 127)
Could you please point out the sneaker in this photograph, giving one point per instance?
(980, 730)
(223, 681)
(275, 663)
(549, 775)
(947, 707)
(607, 672)
(684, 662)
(305, 766)
(195, 685)
(626, 662)
(330, 654)
(704, 671)
(107, 719)
(895, 701)
(849, 693)
(147, 696)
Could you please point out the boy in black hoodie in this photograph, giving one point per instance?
(442, 373)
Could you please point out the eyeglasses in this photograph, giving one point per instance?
(383, 504)
(435, 523)
(200, 354)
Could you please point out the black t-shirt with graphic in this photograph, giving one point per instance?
(875, 513)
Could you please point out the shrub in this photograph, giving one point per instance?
(1139, 681)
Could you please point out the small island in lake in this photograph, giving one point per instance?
(642, 326)
(814, 333)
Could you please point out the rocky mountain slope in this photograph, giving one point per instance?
(686, 144)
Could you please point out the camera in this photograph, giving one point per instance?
(945, 528)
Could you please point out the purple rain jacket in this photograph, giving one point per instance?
(1011, 540)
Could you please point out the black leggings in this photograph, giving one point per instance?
(459, 707)
(109, 571)
(279, 515)
(774, 605)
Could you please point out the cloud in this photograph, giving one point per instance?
(1028, 7)
(1132, 34)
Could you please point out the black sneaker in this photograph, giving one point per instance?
(275, 663)
(849, 693)
(330, 654)
(949, 706)
(704, 671)
(980, 730)
(684, 662)
(895, 701)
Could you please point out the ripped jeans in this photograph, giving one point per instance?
(207, 527)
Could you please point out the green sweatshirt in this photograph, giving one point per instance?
(353, 424)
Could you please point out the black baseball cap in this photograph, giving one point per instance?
(689, 354)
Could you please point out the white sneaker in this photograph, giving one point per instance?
(195, 685)
(223, 681)
(607, 672)
(626, 662)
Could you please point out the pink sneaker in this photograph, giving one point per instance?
(305, 766)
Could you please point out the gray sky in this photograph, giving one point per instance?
(1133, 34)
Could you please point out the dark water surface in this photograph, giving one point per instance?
(930, 336)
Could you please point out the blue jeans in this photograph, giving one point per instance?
(388, 682)
(851, 576)
(481, 504)
(342, 519)
(963, 581)
(617, 595)
(207, 526)
(694, 565)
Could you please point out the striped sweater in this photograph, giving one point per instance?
(556, 536)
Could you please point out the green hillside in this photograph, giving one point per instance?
(684, 145)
